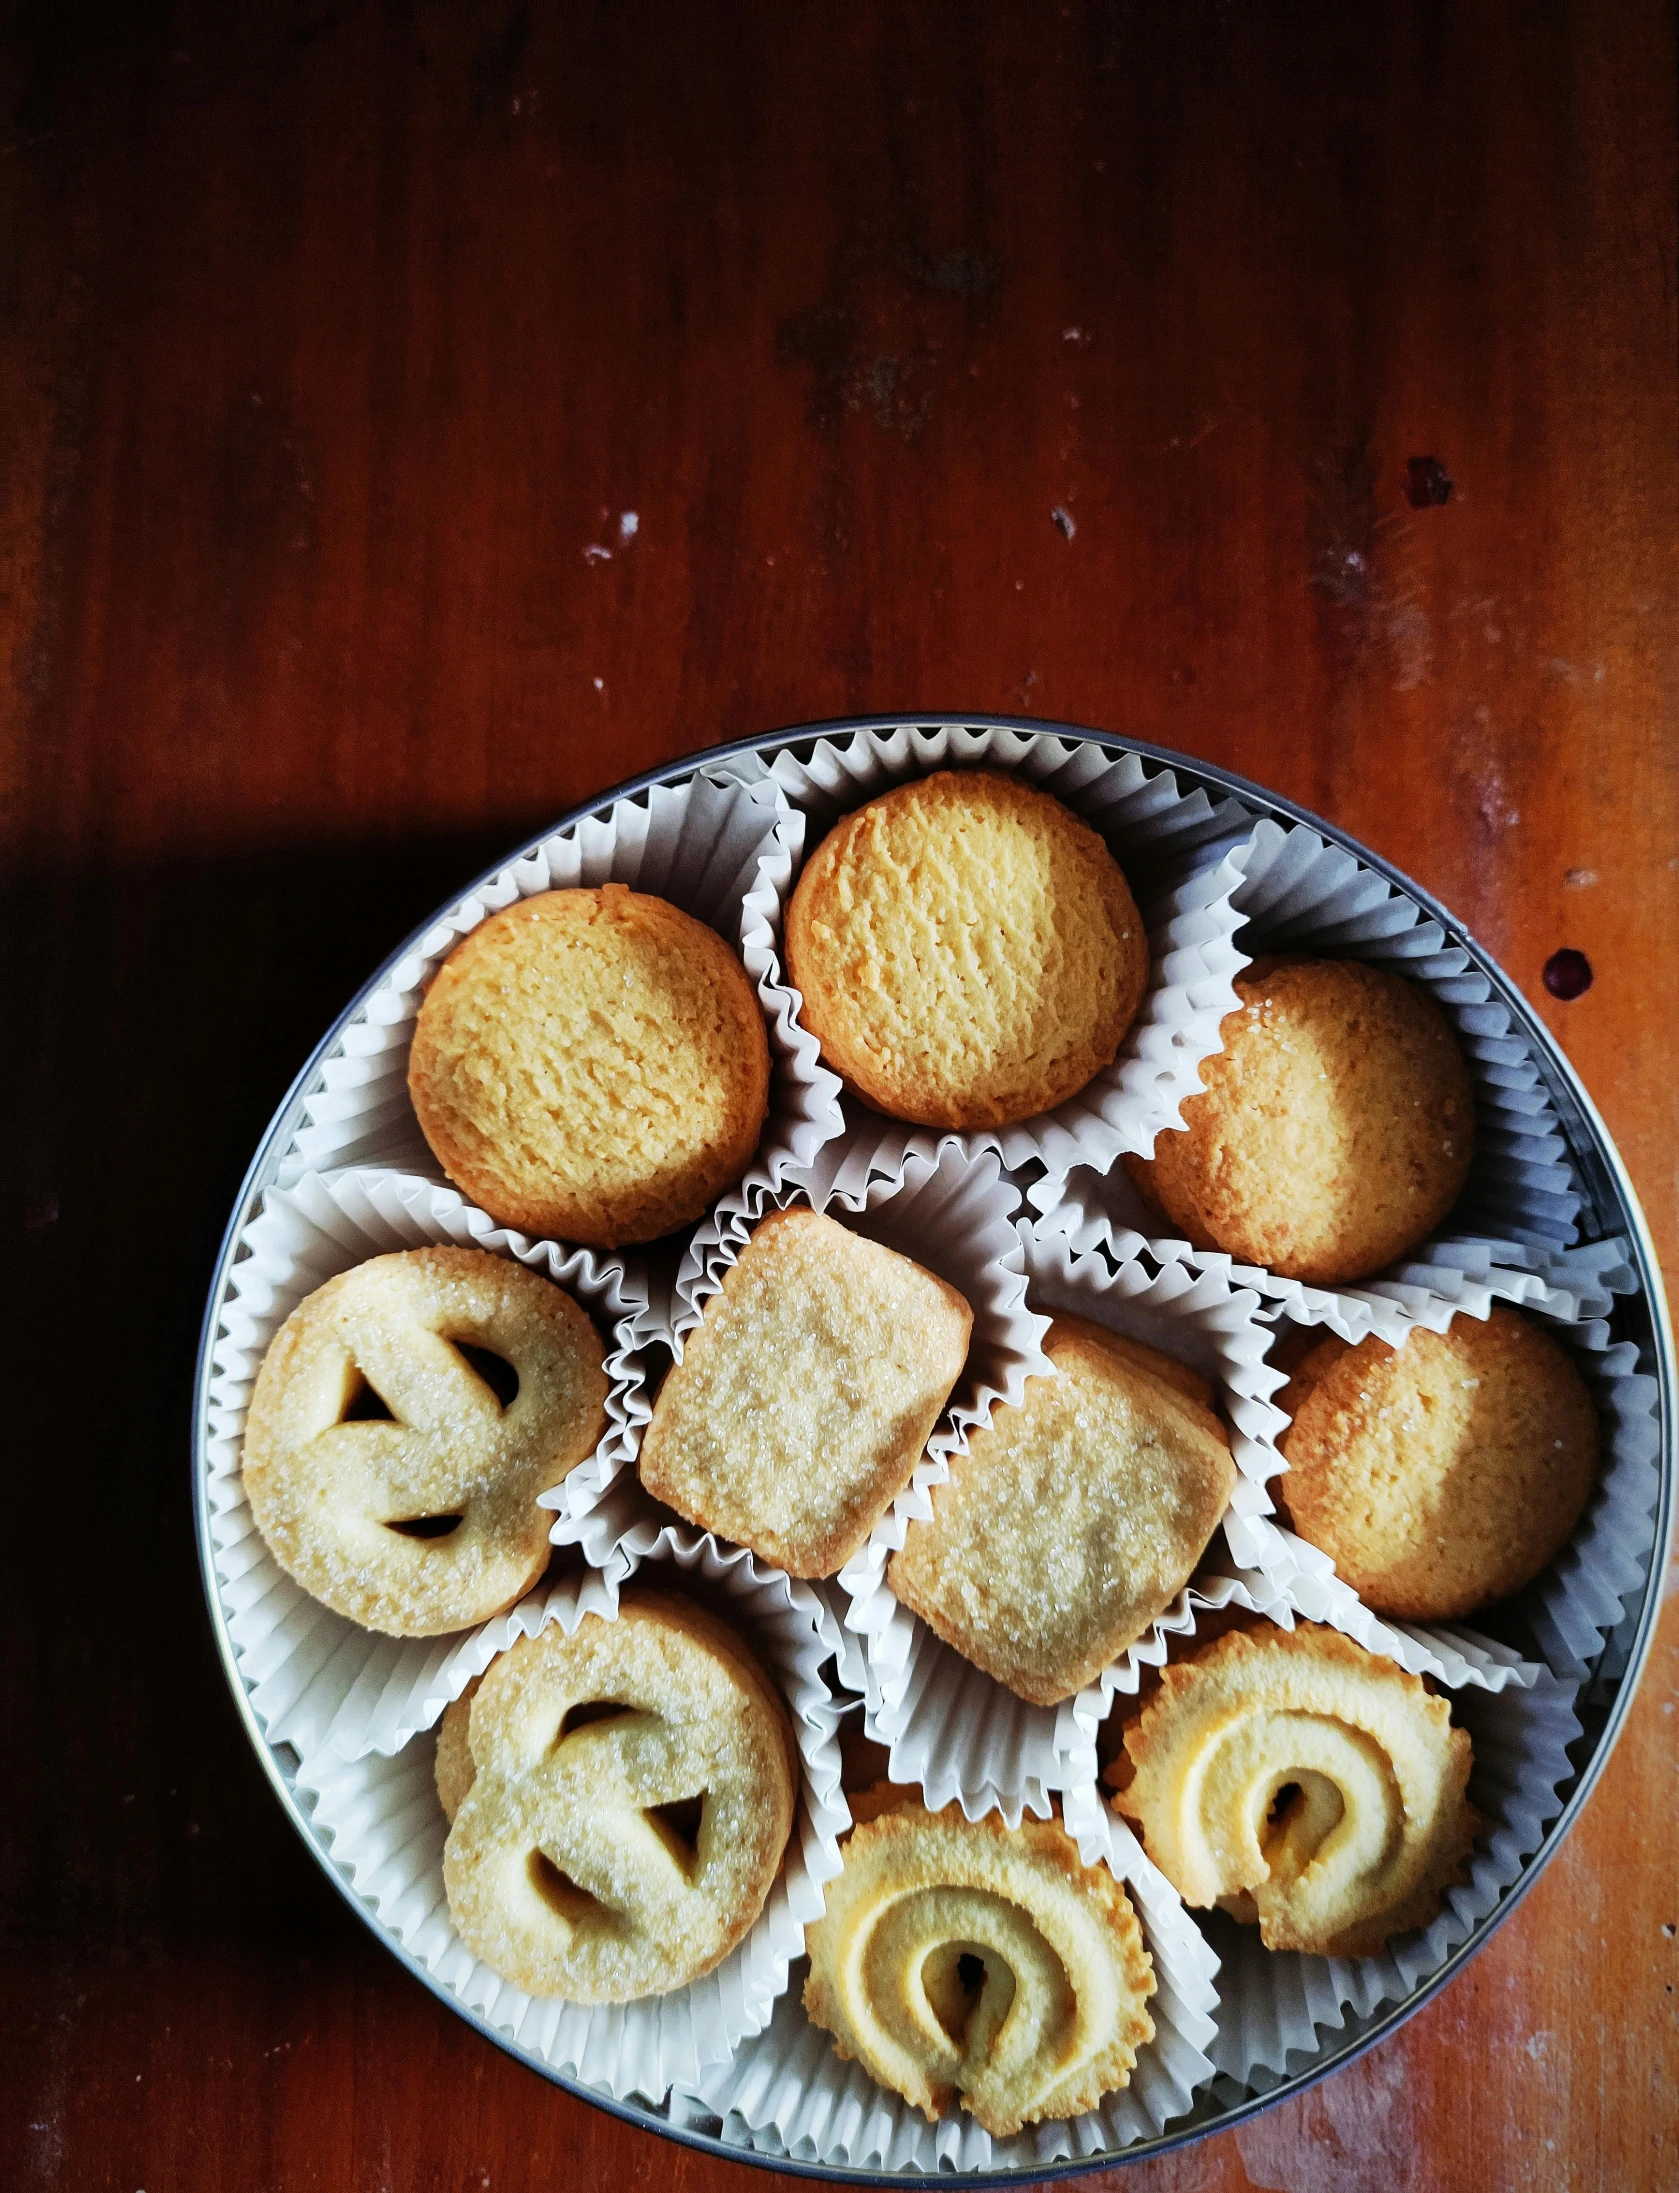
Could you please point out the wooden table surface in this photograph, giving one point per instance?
(338, 342)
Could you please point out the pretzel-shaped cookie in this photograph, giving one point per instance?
(1305, 1784)
(386, 1473)
(631, 1795)
(962, 1957)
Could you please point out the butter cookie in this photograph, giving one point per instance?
(964, 1960)
(404, 1420)
(967, 949)
(591, 1066)
(1304, 1784)
(631, 1791)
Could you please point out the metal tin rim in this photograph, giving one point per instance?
(1589, 1137)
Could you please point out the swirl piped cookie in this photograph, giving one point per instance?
(964, 1960)
(621, 1800)
(404, 1420)
(1305, 1785)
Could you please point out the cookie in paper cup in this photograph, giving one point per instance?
(1573, 1603)
(719, 849)
(803, 1398)
(316, 1679)
(1170, 846)
(950, 1211)
(1302, 897)
(1275, 2004)
(384, 1828)
(787, 2093)
(951, 1727)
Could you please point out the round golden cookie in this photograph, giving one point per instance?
(1443, 1474)
(591, 1066)
(386, 1472)
(630, 1794)
(1303, 1784)
(964, 1959)
(1332, 1132)
(968, 951)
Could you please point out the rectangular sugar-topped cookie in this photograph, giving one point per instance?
(1074, 1518)
(806, 1394)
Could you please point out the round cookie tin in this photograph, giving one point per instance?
(1608, 1209)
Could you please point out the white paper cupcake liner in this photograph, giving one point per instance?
(1576, 1601)
(384, 1830)
(721, 849)
(949, 1726)
(314, 1678)
(1428, 1287)
(1582, 1596)
(787, 2093)
(1171, 845)
(1275, 2005)
(1520, 1209)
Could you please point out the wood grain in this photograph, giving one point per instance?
(336, 340)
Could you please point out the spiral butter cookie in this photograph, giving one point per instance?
(591, 1065)
(1443, 1474)
(1332, 1131)
(404, 1420)
(621, 1813)
(1074, 1518)
(968, 951)
(962, 1958)
(1304, 1784)
(804, 1398)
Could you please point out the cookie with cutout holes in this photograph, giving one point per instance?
(619, 1802)
(404, 1420)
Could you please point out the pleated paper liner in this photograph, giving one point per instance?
(950, 1208)
(1427, 1287)
(315, 1679)
(1301, 894)
(380, 1821)
(952, 1728)
(1171, 845)
(786, 2093)
(722, 850)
